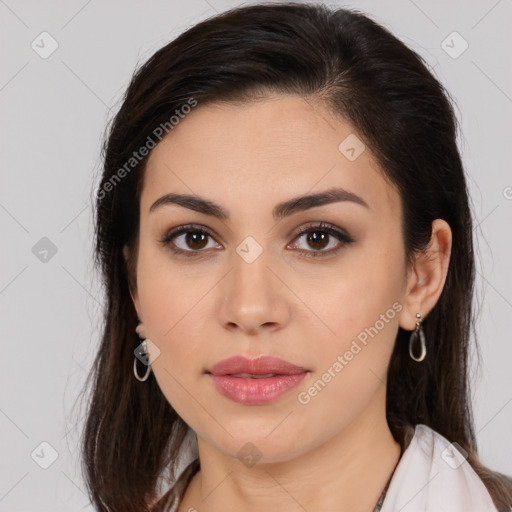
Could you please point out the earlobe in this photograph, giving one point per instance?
(427, 278)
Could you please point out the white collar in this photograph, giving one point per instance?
(433, 476)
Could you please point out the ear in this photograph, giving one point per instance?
(132, 282)
(426, 278)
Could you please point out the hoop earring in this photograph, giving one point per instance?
(418, 333)
(142, 352)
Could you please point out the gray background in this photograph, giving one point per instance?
(53, 114)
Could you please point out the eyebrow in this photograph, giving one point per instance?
(281, 210)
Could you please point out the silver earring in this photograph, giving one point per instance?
(141, 354)
(418, 333)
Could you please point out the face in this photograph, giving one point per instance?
(318, 285)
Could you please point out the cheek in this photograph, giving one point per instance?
(174, 318)
(167, 294)
(350, 303)
(353, 363)
(360, 316)
(173, 311)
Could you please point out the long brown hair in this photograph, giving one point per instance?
(400, 110)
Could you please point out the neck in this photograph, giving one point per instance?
(346, 473)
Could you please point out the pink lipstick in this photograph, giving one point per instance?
(256, 381)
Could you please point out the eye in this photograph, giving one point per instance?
(319, 236)
(187, 239)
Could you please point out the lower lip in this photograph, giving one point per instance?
(255, 391)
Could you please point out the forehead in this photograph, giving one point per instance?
(264, 151)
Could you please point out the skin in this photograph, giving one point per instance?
(335, 452)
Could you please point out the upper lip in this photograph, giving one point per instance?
(257, 366)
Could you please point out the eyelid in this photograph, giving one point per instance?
(323, 226)
(339, 233)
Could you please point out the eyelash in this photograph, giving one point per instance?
(319, 227)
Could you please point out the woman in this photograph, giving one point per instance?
(284, 234)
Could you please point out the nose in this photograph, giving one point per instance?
(253, 297)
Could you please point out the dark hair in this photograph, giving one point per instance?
(362, 73)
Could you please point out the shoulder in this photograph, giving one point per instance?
(433, 475)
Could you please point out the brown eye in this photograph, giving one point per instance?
(320, 236)
(196, 239)
(187, 239)
(317, 239)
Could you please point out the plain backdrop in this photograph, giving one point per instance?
(54, 109)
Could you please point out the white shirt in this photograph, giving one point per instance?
(431, 476)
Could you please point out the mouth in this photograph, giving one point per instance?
(256, 381)
(252, 376)
(259, 367)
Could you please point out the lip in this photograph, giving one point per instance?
(257, 366)
(231, 380)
